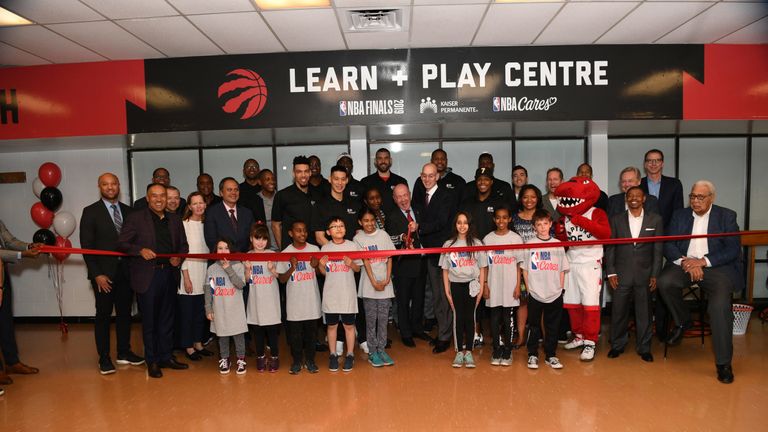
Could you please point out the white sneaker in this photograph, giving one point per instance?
(533, 362)
(554, 363)
(575, 343)
(495, 361)
(588, 353)
(506, 361)
(339, 348)
(458, 360)
(364, 347)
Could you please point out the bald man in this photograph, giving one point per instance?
(100, 226)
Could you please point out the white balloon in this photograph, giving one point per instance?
(64, 224)
(37, 186)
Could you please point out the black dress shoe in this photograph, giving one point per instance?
(647, 357)
(173, 364)
(195, 356)
(388, 345)
(204, 352)
(423, 336)
(676, 336)
(725, 374)
(153, 370)
(613, 353)
(441, 346)
(409, 342)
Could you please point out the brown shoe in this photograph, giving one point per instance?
(4, 378)
(22, 369)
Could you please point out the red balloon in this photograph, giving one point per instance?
(61, 242)
(50, 174)
(41, 215)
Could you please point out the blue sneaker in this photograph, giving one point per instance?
(375, 360)
(386, 359)
(333, 362)
(349, 362)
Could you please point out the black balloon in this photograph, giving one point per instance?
(51, 198)
(44, 236)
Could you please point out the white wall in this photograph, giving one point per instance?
(81, 162)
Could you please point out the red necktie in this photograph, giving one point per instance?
(408, 234)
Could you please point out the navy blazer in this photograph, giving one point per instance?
(670, 197)
(724, 252)
(217, 225)
(138, 233)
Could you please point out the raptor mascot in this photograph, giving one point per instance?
(581, 221)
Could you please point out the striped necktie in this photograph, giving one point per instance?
(117, 218)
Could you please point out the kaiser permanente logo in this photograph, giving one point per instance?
(506, 103)
(245, 91)
(428, 105)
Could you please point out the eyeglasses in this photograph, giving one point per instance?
(694, 197)
(654, 161)
(336, 227)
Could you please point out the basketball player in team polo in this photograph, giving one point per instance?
(581, 221)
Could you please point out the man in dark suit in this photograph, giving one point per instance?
(501, 189)
(632, 270)
(147, 233)
(713, 263)
(162, 176)
(408, 270)
(668, 190)
(554, 178)
(434, 208)
(617, 204)
(229, 220)
(100, 226)
(454, 183)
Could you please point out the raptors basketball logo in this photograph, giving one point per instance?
(245, 91)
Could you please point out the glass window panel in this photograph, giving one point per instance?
(327, 154)
(758, 205)
(714, 127)
(537, 156)
(624, 152)
(721, 161)
(761, 273)
(462, 157)
(182, 165)
(407, 158)
(228, 162)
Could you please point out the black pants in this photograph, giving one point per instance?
(463, 316)
(303, 337)
(192, 320)
(269, 333)
(719, 291)
(623, 296)
(362, 334)
(502, 325)
(409, 295)
(7, 329)
(157, 306)
(552, 313)
(120, 298)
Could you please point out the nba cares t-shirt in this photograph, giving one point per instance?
(544, 267)
(302, 296)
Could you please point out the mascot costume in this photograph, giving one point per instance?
(581, 221)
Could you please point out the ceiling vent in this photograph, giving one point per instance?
(374, 20)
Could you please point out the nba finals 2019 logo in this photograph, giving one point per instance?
(244, 92)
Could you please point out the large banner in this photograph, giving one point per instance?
(596, 82)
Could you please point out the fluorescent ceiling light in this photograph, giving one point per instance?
(8, 18)
(291, 4)
(395, 129)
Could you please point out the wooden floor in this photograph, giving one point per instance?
(421, 392)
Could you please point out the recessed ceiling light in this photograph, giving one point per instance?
(291, 4)
(8, 18)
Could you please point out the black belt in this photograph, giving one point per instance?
(162, 266)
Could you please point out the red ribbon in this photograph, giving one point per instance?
(306, 256)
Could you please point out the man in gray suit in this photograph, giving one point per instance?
(632, 271)
(554, 178)
(629, 177)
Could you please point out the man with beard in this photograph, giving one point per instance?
(267, 195)
(384, 180)
(316, 179)
(294, 203)
(205, 187)
(500, 188)
(163, 177)
(251, 184)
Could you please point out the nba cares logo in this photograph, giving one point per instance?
(244, 91)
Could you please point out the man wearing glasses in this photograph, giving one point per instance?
(668, 190)
(713, 263)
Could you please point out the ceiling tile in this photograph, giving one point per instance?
(215, 6)
(307, 29)
(370, 3)
(372, 40)
(10, 56)
(253, 35)
(582, 23)
(650, 21)
(514, 24)
(173, 36)
(107, 39)
(123, 9)
(445, 26)
(716, 22)
(46, 11)
(449, 2)
(755, 33)
(47, 44)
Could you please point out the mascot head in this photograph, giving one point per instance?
(576, 196)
